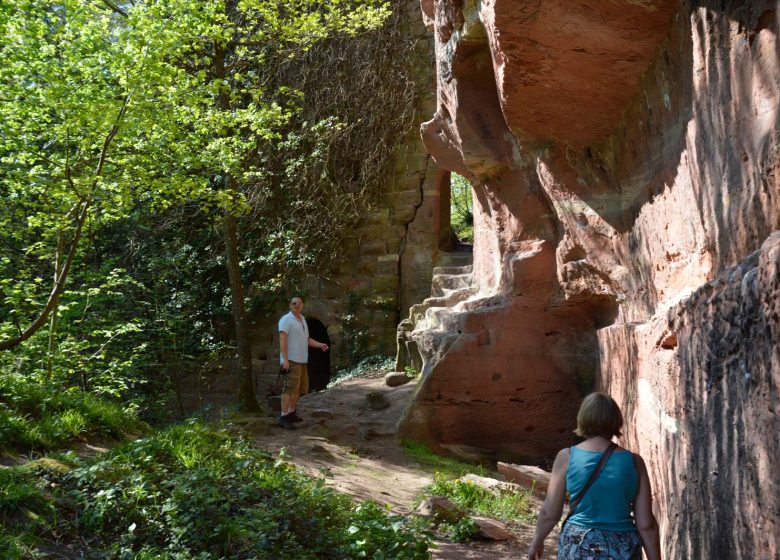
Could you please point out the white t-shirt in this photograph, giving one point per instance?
(297, 338)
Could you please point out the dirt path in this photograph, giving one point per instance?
(355, 447)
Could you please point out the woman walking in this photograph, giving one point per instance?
(606, 483)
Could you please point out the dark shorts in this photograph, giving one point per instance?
(297, 382)
(584, 543)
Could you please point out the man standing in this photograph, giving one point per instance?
(294, 342)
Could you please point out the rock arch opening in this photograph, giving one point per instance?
(455, 219)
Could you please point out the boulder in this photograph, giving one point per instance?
(396, 379)
(492, 485)
(526, 475)
(490, 529)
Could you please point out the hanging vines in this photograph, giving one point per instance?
(356, 99)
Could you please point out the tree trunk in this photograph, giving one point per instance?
(246, 391)
(59, 283)
(54, 313)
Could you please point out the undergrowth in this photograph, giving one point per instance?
(191, 492)
(447, 466)
(35, 416)
(506, 506)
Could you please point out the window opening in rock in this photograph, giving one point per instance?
(461, 209)
(456, 217)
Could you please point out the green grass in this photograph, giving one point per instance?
(39, 417)
(507, 506)
(447, 466)
(192, 492)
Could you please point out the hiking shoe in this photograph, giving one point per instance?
(286, 423)
(293, 417)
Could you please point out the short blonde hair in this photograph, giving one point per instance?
(599, 415)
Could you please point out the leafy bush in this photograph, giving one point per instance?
(462, 530)
(196, 492)
(461, 208)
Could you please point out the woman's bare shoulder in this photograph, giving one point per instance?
(563, 456)
(561, 461)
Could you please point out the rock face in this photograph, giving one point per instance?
(705, 412)
(625, 160)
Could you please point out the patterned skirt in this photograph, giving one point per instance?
(584, 543)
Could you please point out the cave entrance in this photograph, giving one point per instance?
(319, 361)
(456, 214)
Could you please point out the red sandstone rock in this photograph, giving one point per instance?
(626, 167)
(526, 475)
(490, 529)
(440, 508)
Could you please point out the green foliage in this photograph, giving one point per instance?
(374, 534)
(462, 530)
(461, 208)
(39, 416)
(411, 372)
(507, 506)
(120, 110)
(354, 335)
(370, 366)
(195, 492)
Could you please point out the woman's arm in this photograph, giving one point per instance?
(643, 514)
(552, 508)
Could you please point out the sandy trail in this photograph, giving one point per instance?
(355, 447)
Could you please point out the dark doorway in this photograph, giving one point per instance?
(319, 361)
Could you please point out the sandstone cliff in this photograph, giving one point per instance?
(625, 164)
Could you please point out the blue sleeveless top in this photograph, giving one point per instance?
(607, 503)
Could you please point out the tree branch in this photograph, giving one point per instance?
(115, 8)
(59, 285)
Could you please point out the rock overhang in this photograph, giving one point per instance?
(566, 70)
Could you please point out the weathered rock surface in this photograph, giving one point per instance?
(526, 475)
(492, 485)
(491, 529)
(706, 412)
(625, 159)
(377, 401)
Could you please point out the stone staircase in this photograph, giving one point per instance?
(450, 285)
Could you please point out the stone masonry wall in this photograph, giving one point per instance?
(388, 260)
